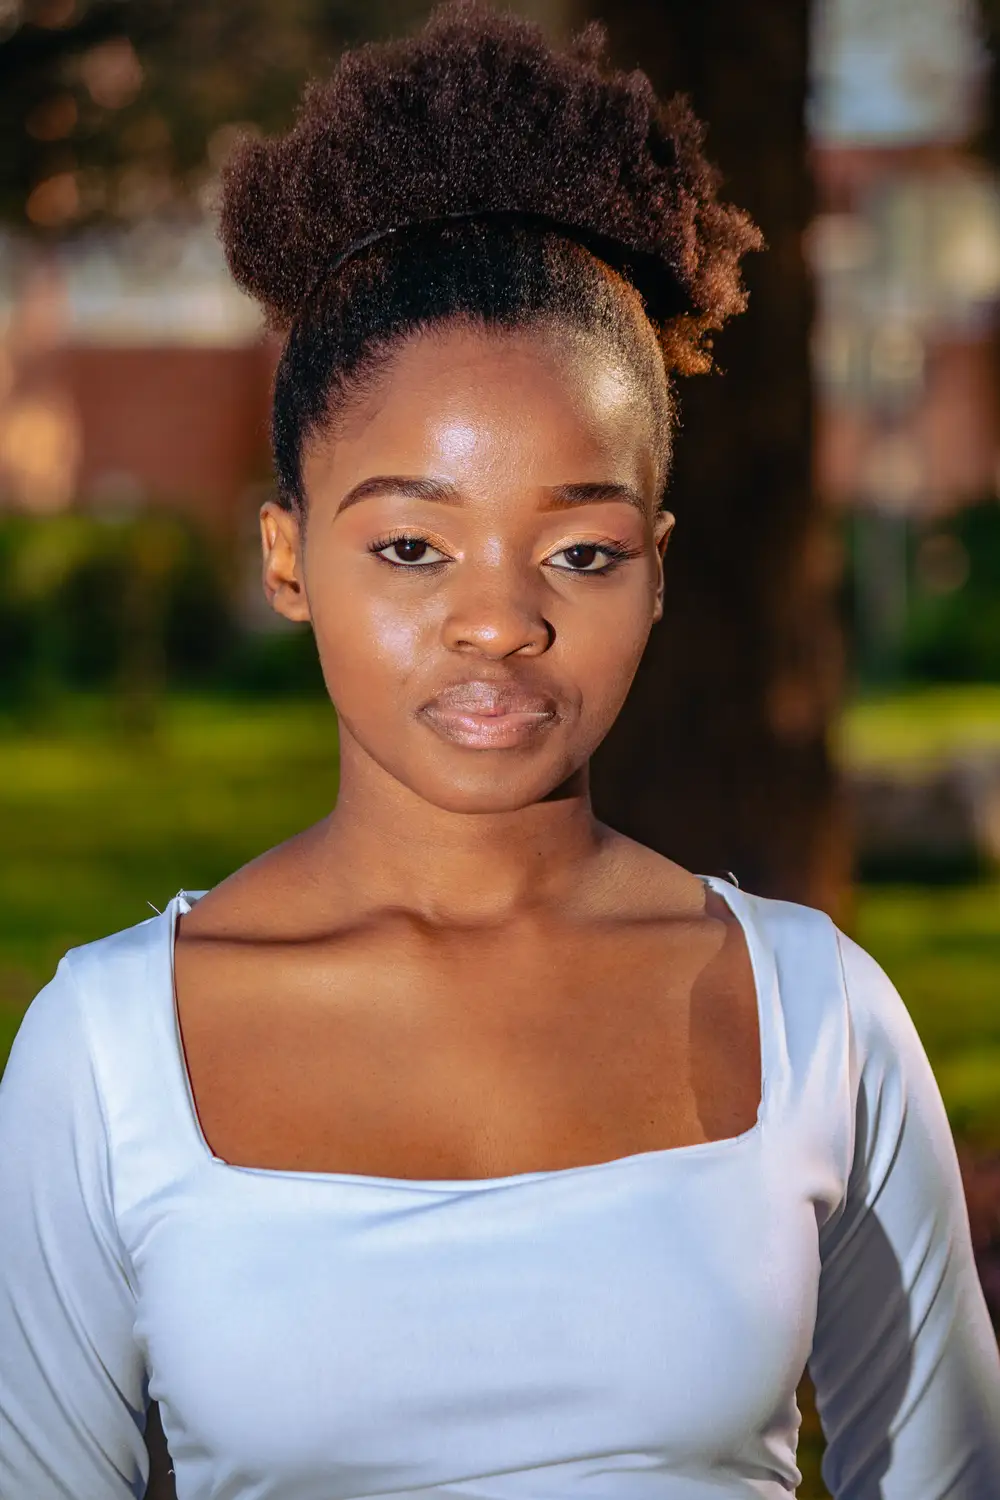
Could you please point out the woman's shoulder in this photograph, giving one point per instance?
(98, 1044)
(113, 962)
(808, 943)
(99, 990)
(843, 1014)
(879, 1019)
(890, 1066)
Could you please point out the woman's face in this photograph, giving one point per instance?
(482, 562)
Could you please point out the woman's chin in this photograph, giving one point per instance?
(492, 790)
(481, 799)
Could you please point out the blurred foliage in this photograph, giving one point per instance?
(953, 630)
(112, 109)
(134, 604)
(950, 626)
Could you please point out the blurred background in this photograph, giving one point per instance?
(819, 711)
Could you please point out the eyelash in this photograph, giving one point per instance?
(618, 553)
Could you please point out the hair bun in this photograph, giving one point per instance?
(478, 112)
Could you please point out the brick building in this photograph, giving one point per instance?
(123, 383)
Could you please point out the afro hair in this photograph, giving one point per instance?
(476, 116)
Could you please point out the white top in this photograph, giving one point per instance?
(627, 1330)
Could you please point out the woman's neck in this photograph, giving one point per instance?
(459, 867)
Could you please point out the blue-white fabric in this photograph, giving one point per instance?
(628, 1330)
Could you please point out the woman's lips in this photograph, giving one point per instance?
(486, 731)
(488, 716)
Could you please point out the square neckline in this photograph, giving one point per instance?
(764, 974)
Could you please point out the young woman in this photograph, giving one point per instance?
(459, 1145)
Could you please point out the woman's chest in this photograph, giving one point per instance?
(393, 1338)
(472, 1059)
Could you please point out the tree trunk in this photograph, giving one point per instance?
(720, 758)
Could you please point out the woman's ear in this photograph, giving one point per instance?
(282, 573)
(663, 525)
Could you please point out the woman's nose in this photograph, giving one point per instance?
(498, 617)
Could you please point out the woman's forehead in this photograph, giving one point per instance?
(465, 402)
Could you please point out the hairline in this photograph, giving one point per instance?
(376, 369)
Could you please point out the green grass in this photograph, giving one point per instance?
(97, 824)
(941, 948)
(920, 724)
(940, 945)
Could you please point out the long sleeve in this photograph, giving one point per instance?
(72, 1381)
(904, 1360)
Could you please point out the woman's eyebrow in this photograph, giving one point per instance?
(396, 484)
(559, 496)
(564, 495)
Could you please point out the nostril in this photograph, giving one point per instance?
(497, 637)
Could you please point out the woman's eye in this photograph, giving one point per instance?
(408, 551)
(583, 556)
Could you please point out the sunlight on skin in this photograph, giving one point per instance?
(502, 425)
(457, 443)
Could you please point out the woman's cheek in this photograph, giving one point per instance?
(612, 654)
(615, 628)
(366, 643)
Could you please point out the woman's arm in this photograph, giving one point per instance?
(904, 1360)
(72, 1382)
